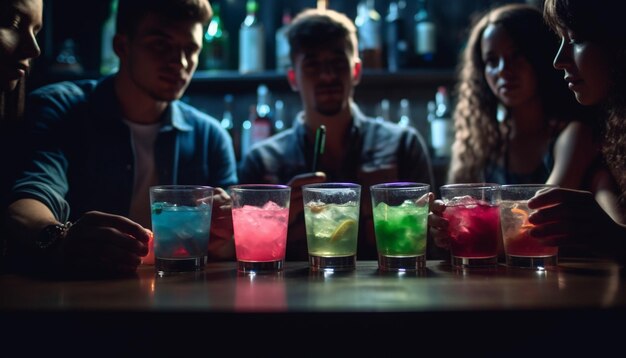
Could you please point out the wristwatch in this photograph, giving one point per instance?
(52, 235)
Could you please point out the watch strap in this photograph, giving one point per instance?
(52, 235)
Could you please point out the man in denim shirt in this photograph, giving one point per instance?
(100, 145)
(325, 70)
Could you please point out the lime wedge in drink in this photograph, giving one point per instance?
(346, 227)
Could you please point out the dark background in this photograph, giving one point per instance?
(82, 22)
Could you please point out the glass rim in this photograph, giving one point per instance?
(470, 186)
(259, 187)
(400, 185)
(179, 187)
(332, 185)
(521, 186)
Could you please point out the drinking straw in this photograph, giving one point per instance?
(320, 142)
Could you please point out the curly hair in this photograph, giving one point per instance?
(481, 139)
(601, 22)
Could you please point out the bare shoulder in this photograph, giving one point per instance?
(577, 131)
(575, 152)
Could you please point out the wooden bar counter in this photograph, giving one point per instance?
(579, 305)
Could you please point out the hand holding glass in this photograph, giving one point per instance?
(520, 248)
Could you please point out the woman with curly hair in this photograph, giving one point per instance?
(592, 58)
(515, 120)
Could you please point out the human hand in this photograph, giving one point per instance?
(296, 206)
(104, 243)
(221, 244)
(437, 224)
(572, 217)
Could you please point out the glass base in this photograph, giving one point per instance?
(538, 263)
(336, 263)
(401, 263)
(164, 266)
(260, 267)
(472, 262)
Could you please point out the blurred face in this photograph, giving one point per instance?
(586, 68)
(161, 57)
(510, 76)
(20, 21)
(325, 77)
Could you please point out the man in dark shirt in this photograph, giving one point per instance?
(325, 69)
(100, 145)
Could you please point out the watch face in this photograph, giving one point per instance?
(50, 236)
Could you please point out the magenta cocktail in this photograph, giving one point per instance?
(474, 223)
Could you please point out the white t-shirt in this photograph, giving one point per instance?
(143, 137)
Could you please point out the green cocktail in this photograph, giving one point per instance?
(331, 215)
(400, 212)
(400, 230)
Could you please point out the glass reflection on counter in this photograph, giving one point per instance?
(260, 292)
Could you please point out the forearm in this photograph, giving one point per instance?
(26, 218)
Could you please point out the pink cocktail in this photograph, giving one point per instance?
(260, 219)
(260, 233)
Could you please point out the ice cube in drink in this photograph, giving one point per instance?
(474, 227)
(180, 232)
(400, 230)
(331, 229)
(260, 232)
(515, 231)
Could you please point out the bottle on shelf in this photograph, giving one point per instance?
(431, 108)
(279, 116)
(215, 53)
(67, 60)
(282, 44)
(262, 120)
(246, 133)
(397, 43)
(368, 23)
(404, 113)
(108, 59)
(251, 41)
(384, 111)
(425, 35)
(227, 117)
(441, 126)
(227, 122)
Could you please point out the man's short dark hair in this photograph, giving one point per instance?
(314, 28)
(131, 12)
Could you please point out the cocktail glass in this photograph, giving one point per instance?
(474, 223)
(400, 213)
(181, 223)
(331, 215)
(520, 249)
(260, 221)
